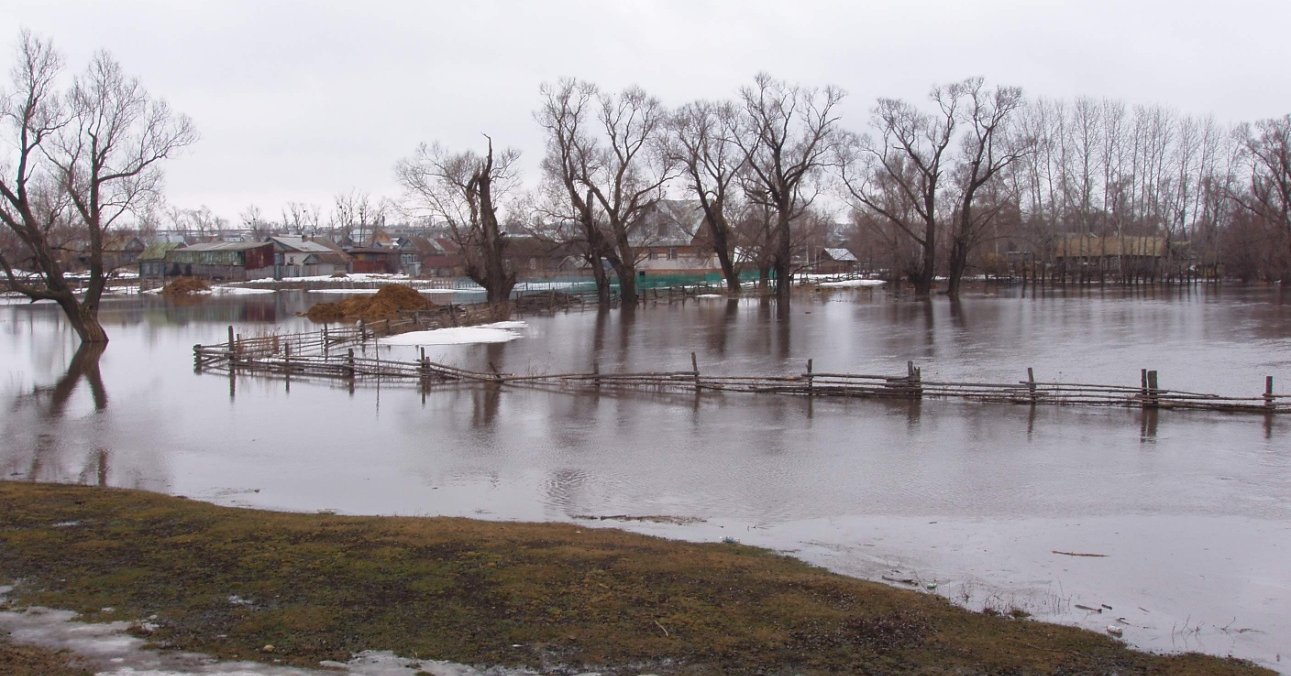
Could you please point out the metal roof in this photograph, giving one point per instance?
(224, 246)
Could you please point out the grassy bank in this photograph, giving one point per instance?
(319, 587)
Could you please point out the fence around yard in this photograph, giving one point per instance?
(329, 353)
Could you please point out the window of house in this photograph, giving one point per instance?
(672, 253)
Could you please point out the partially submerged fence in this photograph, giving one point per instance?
(330, 353)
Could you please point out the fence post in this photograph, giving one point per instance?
(694, 366)
(1031, 384)
(915, 377)
(1154, 396)
(1269, 401)
(349, 363)
(810, 377)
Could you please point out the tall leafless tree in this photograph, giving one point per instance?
(1268, 154)
(565, 114)
(901, 174)
(701, 141)
(605, 149)
(787, 134)
(987, 151)
(628, 177)
(463, 190)
(81, 161)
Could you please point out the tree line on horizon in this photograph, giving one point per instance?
(930, 188)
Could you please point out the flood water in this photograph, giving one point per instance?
(1191, 511)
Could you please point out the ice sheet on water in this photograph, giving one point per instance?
(500, 332)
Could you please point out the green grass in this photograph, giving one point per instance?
(321, 587)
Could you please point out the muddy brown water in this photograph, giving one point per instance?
(1191, 510)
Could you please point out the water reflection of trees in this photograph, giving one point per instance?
(47, 407)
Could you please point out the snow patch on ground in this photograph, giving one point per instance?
(500, 332)
(369, 292)
(356, 277)
(110, 649)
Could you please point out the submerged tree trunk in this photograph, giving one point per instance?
(602, 280)
(783, 260)
(85, 321)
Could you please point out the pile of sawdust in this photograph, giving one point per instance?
(185, 286)
(388, 302)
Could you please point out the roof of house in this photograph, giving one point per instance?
(840, 255)
(224, 246)
(667, 223)
(299, 243)
(157, 250)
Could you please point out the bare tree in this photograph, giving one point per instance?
(701, 140)
(357, 215)
(463, 191)
(628, 179)
(253, 221)
(899, 175)
(987, 151)
(606, 151)
(564, 114)
(302, 218)
(82, 161)
(787, 134)
(1268, 154)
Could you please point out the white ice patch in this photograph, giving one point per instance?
(238, 291)
(501, 332)
(853, 283)
(345, 292)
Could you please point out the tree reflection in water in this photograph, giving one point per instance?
(50, 404)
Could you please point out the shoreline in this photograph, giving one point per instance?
(323, 587)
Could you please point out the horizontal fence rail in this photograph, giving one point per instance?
(330, 354)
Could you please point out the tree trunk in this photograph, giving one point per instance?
(729, 273)
(958, 265)
(84, 320)
(782, 260)
(627, 274)
(922, 281)
(602, 281)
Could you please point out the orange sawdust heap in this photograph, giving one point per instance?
(185, 286)
(388, 302)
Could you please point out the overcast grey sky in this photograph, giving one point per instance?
(298, 101)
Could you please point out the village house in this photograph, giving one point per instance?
(305, 256)
(669, 240)
(374, 260)
(438, 257)
(835, 261)
(537, 258)
(152, 262)
(222, 261)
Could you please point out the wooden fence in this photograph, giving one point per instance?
(330, 354)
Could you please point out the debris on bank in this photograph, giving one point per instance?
(186, 286)
(389, 302)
